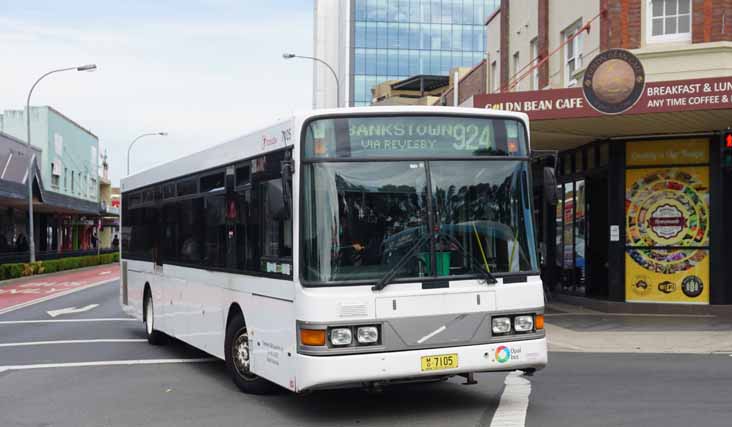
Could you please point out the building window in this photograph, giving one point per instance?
(534, 62)
(73, 186)
(494, 77)
(669, 20)
(66, 178)
(572, 52)
(395, 39)
(516, 67)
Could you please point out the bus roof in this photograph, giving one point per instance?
(280, 135)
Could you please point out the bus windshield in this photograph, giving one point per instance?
(360, 216)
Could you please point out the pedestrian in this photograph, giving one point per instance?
(21, 244)
(115, 242)
(94, 240)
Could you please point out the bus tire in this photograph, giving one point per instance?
(154, 336)
(237, 359)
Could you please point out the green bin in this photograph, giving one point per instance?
(441, 258)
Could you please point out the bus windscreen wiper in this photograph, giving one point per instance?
(389, 275)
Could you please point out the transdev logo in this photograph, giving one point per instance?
(503, 353)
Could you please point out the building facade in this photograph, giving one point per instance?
(369, 42)
(14, 155)
(65, 180)
(630, 102)
(109, 208)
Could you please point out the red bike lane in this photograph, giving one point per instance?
(42, 288)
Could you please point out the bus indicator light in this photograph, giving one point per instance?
(314, 337)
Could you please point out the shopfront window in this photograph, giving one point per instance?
(568, 233)
(558, 224)
(580, 236)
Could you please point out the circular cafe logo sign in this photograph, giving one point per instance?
(667, 221)
(613, 81)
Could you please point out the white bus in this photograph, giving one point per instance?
(349, 247)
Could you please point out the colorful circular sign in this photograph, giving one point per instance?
(503, 354)
(667, 212)
(614, 81)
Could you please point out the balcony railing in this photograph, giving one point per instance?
(107, 209)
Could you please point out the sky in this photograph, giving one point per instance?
(205, 71)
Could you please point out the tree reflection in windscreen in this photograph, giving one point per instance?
(360, 217)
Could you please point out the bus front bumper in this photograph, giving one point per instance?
(334, 371)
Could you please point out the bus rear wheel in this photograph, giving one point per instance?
(238, 356)
(154, 336)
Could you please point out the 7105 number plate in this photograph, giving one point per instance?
(439, 362)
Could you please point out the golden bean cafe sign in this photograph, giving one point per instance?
(614, 83)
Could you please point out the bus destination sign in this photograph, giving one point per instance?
(417, 136)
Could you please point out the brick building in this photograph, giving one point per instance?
(631, 101)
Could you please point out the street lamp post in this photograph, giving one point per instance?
(31, 239)
(135, 140)
(335, 76)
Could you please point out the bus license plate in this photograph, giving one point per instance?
(439, 362)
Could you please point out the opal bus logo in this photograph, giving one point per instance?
(503, 353)
(614, 81)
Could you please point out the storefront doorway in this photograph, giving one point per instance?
(581, 222)
(597, 235)
(726, 277)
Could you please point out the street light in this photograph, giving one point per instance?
(31, 243)
(335, 76)
(135, 140)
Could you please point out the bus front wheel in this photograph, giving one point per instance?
(154, 336)
(238, 356)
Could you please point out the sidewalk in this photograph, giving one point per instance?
(17, 293)
(577, 328)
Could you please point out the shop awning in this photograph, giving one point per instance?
(563, 134)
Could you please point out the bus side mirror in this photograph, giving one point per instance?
(287, 170)
(550, 186)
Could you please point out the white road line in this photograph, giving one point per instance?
(99, 319)
(514, 402)
(30, 343)
(105, 363)
(52, 296)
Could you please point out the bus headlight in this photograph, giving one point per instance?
(523, 323)
(501, 325)
(367, 335)
(341, 336)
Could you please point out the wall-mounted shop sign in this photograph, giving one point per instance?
(655, 97)
(669, 152)
(667, 225)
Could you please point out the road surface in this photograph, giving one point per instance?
(112, 383)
